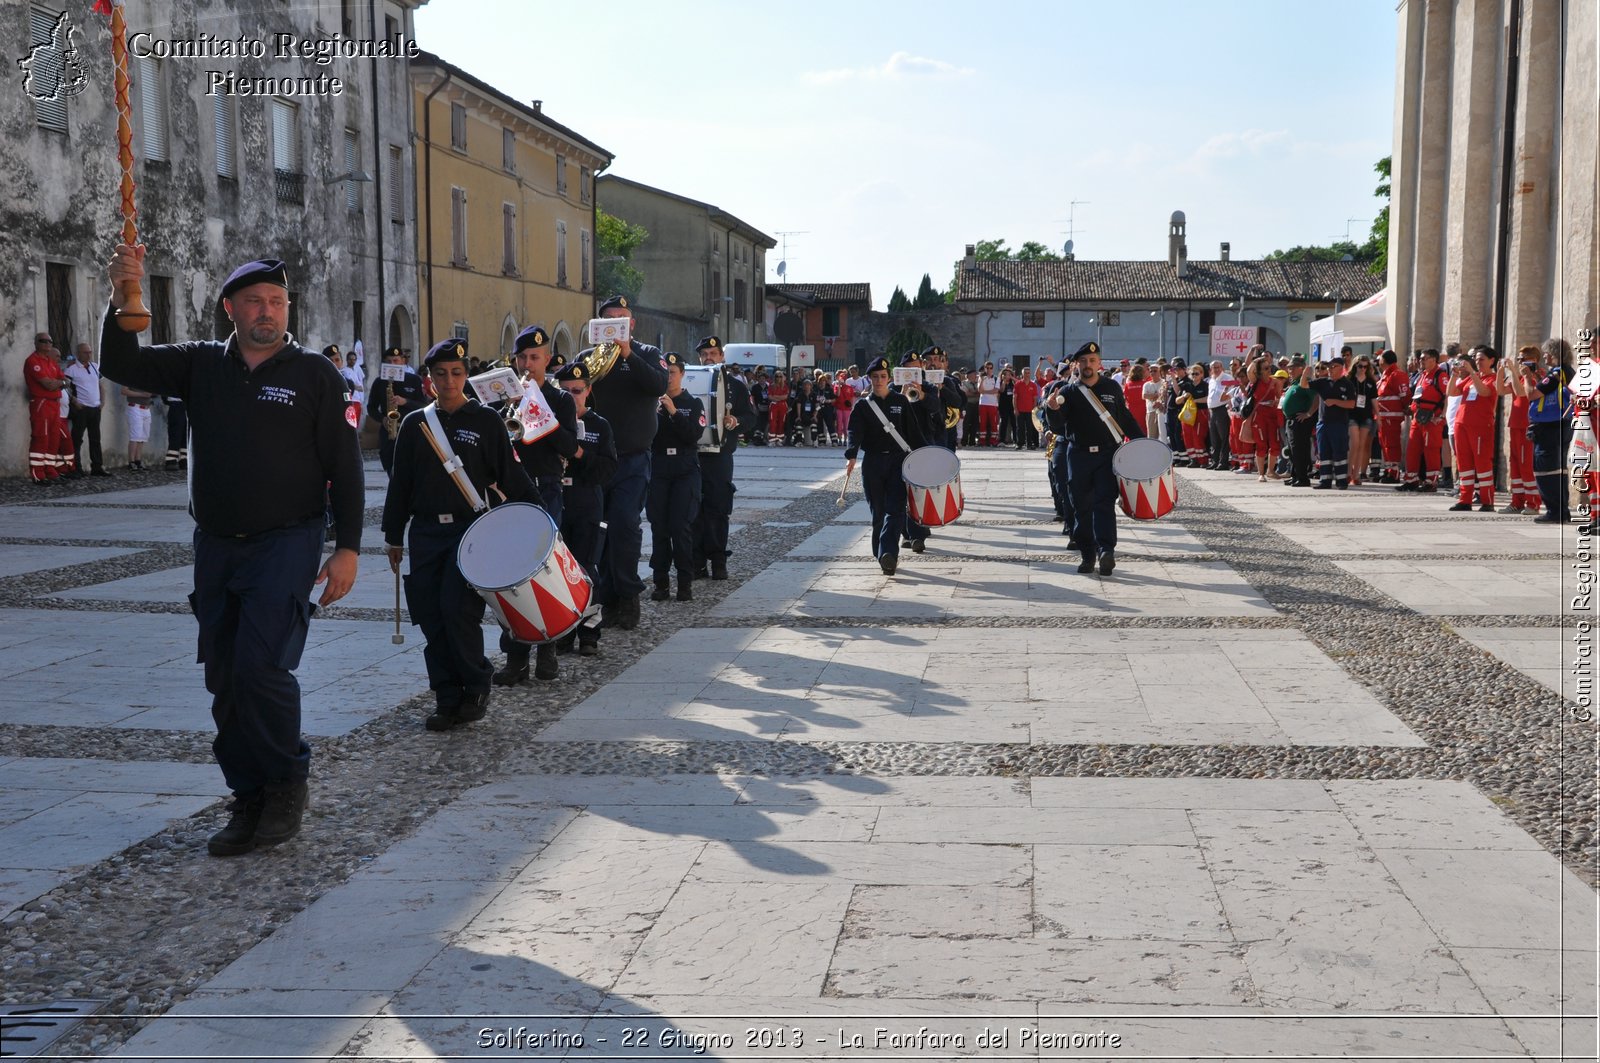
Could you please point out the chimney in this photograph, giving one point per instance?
(971, 259)
(1225, 248)
(1182, 261)
(1175, 236)
(538, 106)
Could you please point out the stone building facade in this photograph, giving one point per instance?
(506, 214)
(704, 269)
(828, 316)
(235, 158)
(1493, 231)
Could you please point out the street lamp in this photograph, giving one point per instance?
(1162, 313)
(1097, 330)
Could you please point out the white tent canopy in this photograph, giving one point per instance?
(1366, 322)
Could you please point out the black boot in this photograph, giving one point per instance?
(475, 706)
(1108, 561)
(685, 588)
(628, 613)
(719, 569)
(588, 642)
(1087, 564)
(515, 670)
(282, 806)
(546, 666)
(662, 592)
(239, 836)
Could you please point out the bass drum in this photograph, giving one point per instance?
(514, 557)
(933, 486)
(701, 382)
(1146, 484)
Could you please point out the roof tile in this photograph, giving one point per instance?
(1088, 280)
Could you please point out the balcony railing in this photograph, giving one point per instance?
(291, 186)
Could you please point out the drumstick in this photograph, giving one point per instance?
(846, 485)
(397, 638)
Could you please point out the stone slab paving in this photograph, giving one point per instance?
(1469, 588)
(63, 524)
(655, 912)
(928, 587)
(1540, 653)
(1167, 540)
(1509, 537)
(18, 560)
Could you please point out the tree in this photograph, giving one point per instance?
(927, 298)
(898, 303)
(996, 251)
(906, 338)
(615, 242)
(1334, 252)
(1379, 240)
(1034, 251)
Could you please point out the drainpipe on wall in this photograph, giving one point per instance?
(1508, 158)
(427, 193)
(381, 208)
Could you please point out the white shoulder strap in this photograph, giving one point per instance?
(436, 435)
(1094, 400)
(887, 427)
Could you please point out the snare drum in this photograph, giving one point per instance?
(1145, 480)
(514, 558)
(933, 486)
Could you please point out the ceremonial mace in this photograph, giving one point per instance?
(397, 638)
(133, 317)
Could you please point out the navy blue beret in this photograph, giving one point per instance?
(264, 271)
(532, 336)
(446, 351)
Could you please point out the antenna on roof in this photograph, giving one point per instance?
(783, 259)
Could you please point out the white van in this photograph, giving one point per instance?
(771, 355)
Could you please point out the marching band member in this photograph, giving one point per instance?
(916, 532)
(952, 399)
(1090, 444)
(424, 495)
(390, 401)
(543, 460)
(1055, 421)
(884, 427)
(583, 495)
(1473, 430)
(716, 467)
(627, 398)
(271, 447)
(675, 485)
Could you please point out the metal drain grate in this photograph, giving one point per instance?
(27, 1029)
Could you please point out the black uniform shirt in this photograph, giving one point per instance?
(599, 459)
(272, 446)
(867, 434)
(627, 396)
(1055, 419)
(542, 457)
(1328, 388)
(420, 487)
(1083, 424)
(676, 445)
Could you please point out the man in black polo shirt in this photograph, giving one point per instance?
(270, 436)
(627, 397)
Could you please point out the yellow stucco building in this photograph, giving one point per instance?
(506, 215)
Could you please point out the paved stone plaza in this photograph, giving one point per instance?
(1304, 778)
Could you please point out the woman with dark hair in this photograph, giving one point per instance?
(1361, 418)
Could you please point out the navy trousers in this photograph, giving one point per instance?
(1093, 487)
(449, 612)
(886, 497)
(674, 504)
(1333, 451)
(1550, 442)
(1058, 466)
(549, 488)
(252, 597)
(625, 497)
(716, 506)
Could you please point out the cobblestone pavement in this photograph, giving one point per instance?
(1309, 775)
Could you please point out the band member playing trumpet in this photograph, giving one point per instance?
(390, 401)
(271, 447)
(544, 460)
(422, 494)
(885, 426)
(952, 399)
(627, 397)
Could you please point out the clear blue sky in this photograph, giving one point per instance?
(894, 133)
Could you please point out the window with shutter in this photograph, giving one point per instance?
(152, 109)
(561, 175)
(458, 226)
(222, 117)
(583, 243)
(352, 189)
(508, 228)
(397, 185)
(48, 70)
(458, 127)
(161, 323)
(290, 181)
(508, 151)
(561, 253)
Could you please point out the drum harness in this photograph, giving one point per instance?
(440, 441)
(883, 419)
(1094, 400)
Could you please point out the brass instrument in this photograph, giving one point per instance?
(391, 418)
(952, 416)
(600, 360)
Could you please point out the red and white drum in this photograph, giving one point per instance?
(1145, 480)
(933, 486)
(514, 558)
